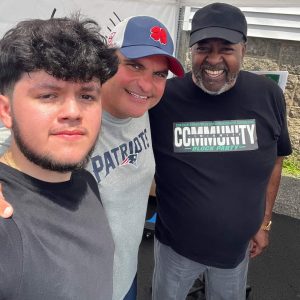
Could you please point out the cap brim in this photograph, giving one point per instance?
(229, 35)
(134, 52)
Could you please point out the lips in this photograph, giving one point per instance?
(69, 134)
(214, 73)
(138, 96)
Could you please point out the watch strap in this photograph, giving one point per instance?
(267, 226)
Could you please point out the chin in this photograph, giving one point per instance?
(216, 90)
(137, 114)
(70, 159)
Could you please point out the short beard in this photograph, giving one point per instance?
(230, 81)
(45, 161)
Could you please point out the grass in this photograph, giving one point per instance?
(291, 166)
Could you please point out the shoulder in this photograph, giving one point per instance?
(83, 177)
(82, 174)
(176, 90)
(179, 82)
(259, 82)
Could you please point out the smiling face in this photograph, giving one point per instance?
(216, 64)
(55, 123)
(137, 86)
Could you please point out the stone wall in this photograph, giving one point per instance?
(268, 54)
(271, 55)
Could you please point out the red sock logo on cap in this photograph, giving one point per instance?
(159, 34)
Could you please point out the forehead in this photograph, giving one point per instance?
(215, 41)
(157, 60)
(41, 79)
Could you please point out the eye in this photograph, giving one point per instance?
(202, 48)
(134, 66)
(88, 97)
(47, 96)
(163, 74)
(227, 49)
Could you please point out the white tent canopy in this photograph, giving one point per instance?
(100, 10)
(167, 11)
(240, 3)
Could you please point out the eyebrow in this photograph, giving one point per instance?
(165, 71)
(133, 60)
(206, 41)
(228, 43)
(90, 88)
(45, 85)
(53, 86)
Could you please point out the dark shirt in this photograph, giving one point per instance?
(58, 244)
(214, 156)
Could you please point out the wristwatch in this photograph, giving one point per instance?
(266, 227)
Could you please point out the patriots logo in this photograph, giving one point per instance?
(159, 34)
(130, 159)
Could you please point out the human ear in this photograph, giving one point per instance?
(5, 111)
(244, 48)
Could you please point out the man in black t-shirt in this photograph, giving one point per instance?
(58, 243)
(219, 137)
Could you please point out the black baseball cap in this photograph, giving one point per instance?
(219, 20)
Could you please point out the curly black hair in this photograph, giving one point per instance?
(70, 49)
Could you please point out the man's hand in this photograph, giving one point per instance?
(6, 209)
(259, 242)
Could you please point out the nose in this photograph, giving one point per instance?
(214, 58)
(70, 109)
(145, 82)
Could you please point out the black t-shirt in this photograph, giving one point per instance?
(214, 156)
(58, 244)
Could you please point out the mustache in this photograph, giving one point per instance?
(218, 67)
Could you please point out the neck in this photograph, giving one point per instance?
(15, 159)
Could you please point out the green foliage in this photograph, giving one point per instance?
(291, 166)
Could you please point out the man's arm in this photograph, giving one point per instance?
(261, 239)
(6, 209)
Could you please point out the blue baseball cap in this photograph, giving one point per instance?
(142, 36)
